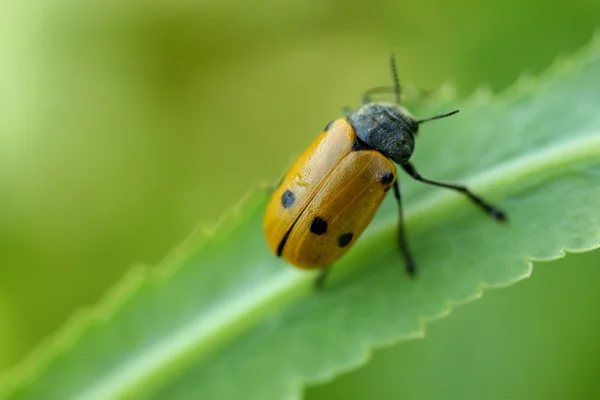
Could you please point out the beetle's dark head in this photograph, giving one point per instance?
(388, 127)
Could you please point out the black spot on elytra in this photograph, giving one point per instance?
(387, 178)
(318, 226)
(287, 198)
(345, 239)
(359, 145)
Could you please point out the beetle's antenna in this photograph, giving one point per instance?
(420, 121)
(395, 78)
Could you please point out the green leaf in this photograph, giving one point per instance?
(536, 340)
(223, 318)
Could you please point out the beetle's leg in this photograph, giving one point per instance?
(420, 94)
(376, 90)
(347, 111)
(275, 186)
(270, 188)
(489, 209)
(408, 260)
(320, 279)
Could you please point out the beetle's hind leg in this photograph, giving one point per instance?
(321, 278)
(409, 262)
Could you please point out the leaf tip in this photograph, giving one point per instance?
(483, 94)
(447, 92)
(596, 39)
(525, 83)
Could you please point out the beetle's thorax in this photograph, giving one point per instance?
(386, 127)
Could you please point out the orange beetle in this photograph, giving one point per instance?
(332, 191)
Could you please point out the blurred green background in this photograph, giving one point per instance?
(125, 125)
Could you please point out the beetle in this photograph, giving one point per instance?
(332, 191)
